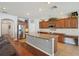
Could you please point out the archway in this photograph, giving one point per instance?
(7, 27)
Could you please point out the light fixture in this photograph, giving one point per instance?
(49, 2)
(27, 14)
(3, 8)
(40, 9)
(61, 13)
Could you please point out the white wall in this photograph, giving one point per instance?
(33, 26)
(14, 18)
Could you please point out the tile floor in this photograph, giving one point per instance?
(67, 50)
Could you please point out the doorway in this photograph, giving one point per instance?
(22, 29)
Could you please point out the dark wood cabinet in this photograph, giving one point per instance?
(67, 23)
(70, 22)
(74, 22)
(60, 23)
(43, 24)
(52, 23)
(60, 37)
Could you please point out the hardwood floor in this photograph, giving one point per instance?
(32, 49)
(20, 50)
(23, 49)
(62, 49)
(67, 50)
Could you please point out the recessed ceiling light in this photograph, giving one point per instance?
(49, 2)
(61, 13)
(40, 9)
(28, 14)
(4, 8)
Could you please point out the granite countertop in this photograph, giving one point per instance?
(41, 35)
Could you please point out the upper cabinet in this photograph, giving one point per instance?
(43, 24)
(52, 22)
(60, 23)
(67, 23)
(70, 22)
(74, 22)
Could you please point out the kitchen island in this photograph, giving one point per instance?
(46, 43)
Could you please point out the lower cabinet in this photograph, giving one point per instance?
(61, 38)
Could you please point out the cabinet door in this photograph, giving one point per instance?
(71, 22)
(67, 23)
(43, 24)
(40, 25)
(61, 38)
(57, 24)
(52, 23)
(60, 23)
(74, 23)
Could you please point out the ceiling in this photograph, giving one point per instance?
(40, 10)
